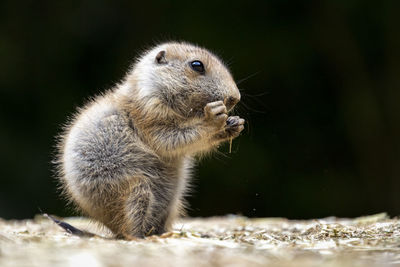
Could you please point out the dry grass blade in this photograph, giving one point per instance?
(220, 241)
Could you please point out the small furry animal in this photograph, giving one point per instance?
(125, 158)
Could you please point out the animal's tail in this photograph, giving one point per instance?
(69, 228)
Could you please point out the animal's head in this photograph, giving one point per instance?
(184, 78)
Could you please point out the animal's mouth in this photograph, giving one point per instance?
(197, 109)
(230, 102)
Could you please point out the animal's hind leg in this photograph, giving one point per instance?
(137, 210)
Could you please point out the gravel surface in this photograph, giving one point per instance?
(217, 241)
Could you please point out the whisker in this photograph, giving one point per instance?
(229, 61)
(248, 77)
(256, 95)
(252, 109)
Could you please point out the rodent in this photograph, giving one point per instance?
(125, 158)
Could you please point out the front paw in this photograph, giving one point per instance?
(215, 115)
(234, 125)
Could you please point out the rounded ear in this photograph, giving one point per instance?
(160, 58)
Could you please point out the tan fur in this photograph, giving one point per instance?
(125, 158)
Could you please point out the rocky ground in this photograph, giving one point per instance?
(220, 241)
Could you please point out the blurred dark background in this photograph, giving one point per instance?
(322, 98)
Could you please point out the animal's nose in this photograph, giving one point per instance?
(230, 102)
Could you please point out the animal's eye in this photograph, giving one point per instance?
(197, 66)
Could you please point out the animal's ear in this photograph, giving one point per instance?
(160, 58)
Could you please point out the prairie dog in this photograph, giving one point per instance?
(125, 158)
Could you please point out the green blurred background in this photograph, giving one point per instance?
(321, 98)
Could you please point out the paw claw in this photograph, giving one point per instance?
(234, 125)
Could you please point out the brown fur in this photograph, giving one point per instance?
(125, 158)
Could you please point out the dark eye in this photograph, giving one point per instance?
(197, 66)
